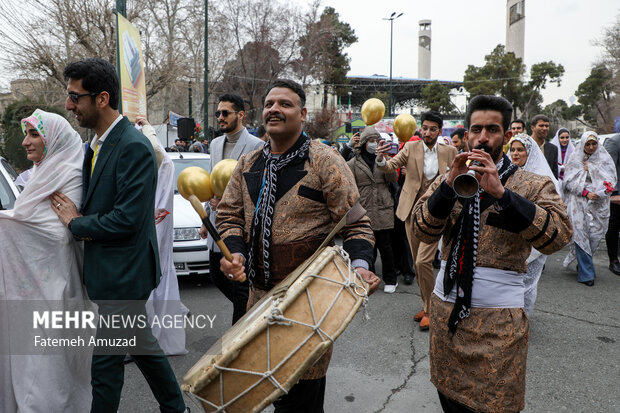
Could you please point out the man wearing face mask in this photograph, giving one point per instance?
(424, 160)
(377, 200)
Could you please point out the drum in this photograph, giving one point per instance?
(266, 352)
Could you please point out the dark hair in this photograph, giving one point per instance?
(97, 75)
(538, 118)
(432, 116)
(289, 84)
(519, 121)
(562, 130)
(489, 102)
(460, 132)
(261, 131)
(236, 100)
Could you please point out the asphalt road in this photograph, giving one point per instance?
(381, 365)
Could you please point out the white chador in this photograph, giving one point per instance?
(41, 264)
(165, 301)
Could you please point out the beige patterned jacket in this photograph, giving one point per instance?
(313, 194)
(533, 216)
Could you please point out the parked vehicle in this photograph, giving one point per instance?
(8, 190)
(191, 255)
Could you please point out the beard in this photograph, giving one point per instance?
(230, 127)
(495, 153)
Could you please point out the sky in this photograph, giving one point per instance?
(463, 32)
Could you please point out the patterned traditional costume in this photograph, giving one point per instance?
(479, 330)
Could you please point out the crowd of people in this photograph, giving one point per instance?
(103, 209)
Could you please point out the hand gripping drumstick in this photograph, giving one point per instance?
(194, 185)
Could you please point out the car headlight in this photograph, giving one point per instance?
(187, 234)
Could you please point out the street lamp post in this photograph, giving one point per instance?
(391, 19)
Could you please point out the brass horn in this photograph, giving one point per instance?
(466, 185)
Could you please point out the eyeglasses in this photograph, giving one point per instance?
(75, 97)
(432, 129)
(224, 113)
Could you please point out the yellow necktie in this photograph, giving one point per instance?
(92, 164)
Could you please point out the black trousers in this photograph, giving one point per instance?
(383, 243)
(611, 237)
(108, 367)
(400, 247)
(306, 396)
(235, 291)
(450, 406)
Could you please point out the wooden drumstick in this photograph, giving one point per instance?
(207, 223)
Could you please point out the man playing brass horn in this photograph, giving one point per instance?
(279, 205)
(479, 331)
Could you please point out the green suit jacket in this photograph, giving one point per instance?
(121, 260)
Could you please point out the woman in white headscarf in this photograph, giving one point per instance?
(40, 267)
(565, 149)
(525, 153)
(590, 178)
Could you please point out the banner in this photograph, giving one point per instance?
(173, 118)
(133, 84)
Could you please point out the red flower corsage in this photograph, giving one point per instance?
(608, 187)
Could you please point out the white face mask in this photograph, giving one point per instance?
(371, 147)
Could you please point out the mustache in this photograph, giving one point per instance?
(484, 147)
(278, 116)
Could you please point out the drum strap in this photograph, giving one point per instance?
(353, 215)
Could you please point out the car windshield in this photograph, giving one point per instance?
(180, 164)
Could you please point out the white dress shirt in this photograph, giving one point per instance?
(431, 164)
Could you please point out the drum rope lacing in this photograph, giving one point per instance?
(277, 318)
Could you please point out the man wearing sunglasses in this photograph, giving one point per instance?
(235, 142)
(115, 221)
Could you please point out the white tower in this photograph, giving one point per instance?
(515, 27)
(424, 49)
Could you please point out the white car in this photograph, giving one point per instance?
(8, 189)
(191, 255)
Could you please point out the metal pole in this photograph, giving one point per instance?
(391, 39)
(189, 94)
(205, 104)
(121, 7)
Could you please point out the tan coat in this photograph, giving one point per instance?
(412, 158)
(375, 195)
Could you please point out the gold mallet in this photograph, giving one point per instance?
(194, 184)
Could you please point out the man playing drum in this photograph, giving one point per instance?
(280, 204)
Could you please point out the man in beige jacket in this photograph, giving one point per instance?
(424, 160)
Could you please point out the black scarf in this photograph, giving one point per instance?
(462, 258)
(369, 158)
(266, 204)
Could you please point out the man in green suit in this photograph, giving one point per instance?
(117, 225)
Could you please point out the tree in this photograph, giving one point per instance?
(262, 39)
(436, 96)
(540, 74)
(322, 56)
(503, 74)
(12, 148)
(321, 124)
(595, 95)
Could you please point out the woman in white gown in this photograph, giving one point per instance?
(589, 179)
(40, 266)
(525, 153)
